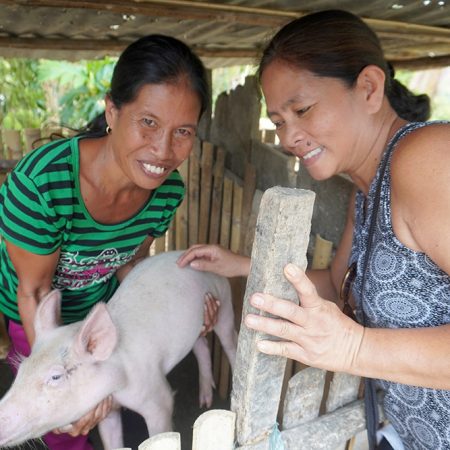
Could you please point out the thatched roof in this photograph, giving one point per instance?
(414, 33)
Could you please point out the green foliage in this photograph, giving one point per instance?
(82, 86)
(22, 97)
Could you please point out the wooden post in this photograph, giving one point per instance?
(282, 235)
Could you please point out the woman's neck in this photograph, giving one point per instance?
(363, 176)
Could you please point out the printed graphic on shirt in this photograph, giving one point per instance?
(75, 272)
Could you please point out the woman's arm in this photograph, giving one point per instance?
(35, 274)
(142, 253)
(420, 193)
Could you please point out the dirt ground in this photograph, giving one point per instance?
(184, 381)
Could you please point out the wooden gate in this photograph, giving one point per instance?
(278, 404)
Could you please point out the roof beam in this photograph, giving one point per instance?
(113, 46)
(103, 46)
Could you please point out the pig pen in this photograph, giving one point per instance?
(183, 380)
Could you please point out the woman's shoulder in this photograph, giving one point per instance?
(420, 164)
(426, 145)
(48, 158)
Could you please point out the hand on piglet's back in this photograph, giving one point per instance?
(216, 259)
(315, 333)
(89, 420)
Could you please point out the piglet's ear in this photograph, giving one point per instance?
(98, 335)
(48, 313)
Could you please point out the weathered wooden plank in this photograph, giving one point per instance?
(333, 428)
(282, 235)
(214, 430)
(225, 225)
(236, 284)
(181, 218)
(236, 217)
(303, 397)
(247, 202)
(194, 193)
(216, 202)
(344, 389)
(160, 244)
(251, 225)
(205, 192)
(322, 253)
(224, 240)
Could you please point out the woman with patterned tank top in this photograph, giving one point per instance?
(337, 107)
(76, 214)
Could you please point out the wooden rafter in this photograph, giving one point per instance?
(408, 45)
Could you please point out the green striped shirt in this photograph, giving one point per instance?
(41, 210)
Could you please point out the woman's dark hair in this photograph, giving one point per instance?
(153, 59)
(338, 44)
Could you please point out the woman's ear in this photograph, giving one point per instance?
(110, 111)
(370, 83)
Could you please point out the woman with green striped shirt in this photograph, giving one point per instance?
(76, 214)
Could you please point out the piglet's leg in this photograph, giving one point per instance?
(110, 430)
(226, 331)
(156, 406)
(206, 381)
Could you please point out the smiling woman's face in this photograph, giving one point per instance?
(318, 119)
(155, 133)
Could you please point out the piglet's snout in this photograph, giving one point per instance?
(12, 425)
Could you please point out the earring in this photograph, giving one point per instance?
(108, 129)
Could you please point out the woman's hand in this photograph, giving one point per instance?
(316, 333)
(89, 420)
(211, 314)
(216, 259)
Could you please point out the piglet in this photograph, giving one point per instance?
(124, 348)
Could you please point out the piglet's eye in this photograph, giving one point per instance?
(56, 376)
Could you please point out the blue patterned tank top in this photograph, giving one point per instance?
(403, 289)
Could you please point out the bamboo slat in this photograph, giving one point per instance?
(322, 253)
(247, 202)
(220, 363)
(216, 202)
(205, 191)
(194, 193)
(181, 218)
(160, 244)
